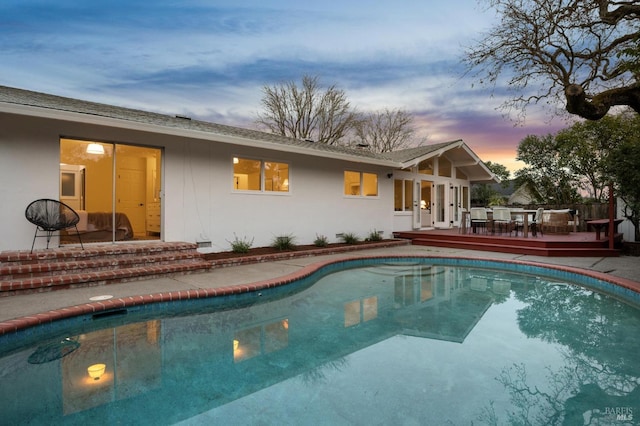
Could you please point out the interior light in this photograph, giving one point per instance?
(235, 345)
(95, 148)
(96, 371)
(235, 160)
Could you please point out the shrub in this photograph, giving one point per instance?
(374, 236)
(321, 241)
(240, 245)
(284, 242)
(350, 238)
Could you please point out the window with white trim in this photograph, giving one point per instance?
(403, 195)
(261, 176)
(360, 184)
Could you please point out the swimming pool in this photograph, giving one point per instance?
(373, 341)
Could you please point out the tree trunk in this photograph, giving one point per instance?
(578, 104)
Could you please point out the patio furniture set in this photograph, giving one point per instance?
(507, 220)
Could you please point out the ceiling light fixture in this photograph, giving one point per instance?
(95, 148)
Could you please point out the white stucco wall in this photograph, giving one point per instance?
(198, 199)
(626, 228)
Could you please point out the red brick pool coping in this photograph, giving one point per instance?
(17, 324)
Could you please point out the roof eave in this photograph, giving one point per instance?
(47, 113)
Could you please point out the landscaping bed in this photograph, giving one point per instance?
(262, 254)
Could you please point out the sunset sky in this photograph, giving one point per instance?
(210, 59)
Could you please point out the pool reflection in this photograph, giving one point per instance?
(208, 359)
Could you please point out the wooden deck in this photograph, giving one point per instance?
(574, 244)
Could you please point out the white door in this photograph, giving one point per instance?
(131, 192)
(426, 203)
(440, 211)
(417, 218)
(456, 206)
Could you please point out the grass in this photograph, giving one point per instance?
(240, 245)
(284, 242)
(350, 238)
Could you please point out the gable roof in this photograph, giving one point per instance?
(36, 104)
(460, 155)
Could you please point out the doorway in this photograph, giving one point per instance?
(120, 189)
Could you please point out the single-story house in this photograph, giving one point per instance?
(172, 178)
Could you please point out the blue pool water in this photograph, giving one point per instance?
(396, 341)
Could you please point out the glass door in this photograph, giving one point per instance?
(120, 192)
(440, 219)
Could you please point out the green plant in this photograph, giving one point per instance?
(374, 236)
(321, 241)
(284, 242)
(240, 245)
(350, 238)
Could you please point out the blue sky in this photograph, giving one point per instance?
(210, 59)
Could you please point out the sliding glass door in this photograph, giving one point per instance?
(114, 187)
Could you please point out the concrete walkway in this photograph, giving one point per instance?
(20, 306)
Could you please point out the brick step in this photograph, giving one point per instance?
(98, 278)
(104, 252)
(41, 269)
(24, 272)
(518, 249)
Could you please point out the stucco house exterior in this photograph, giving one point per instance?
(171, 178)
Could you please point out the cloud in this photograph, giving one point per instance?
(210, 60)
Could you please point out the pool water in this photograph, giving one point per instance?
(405, 343)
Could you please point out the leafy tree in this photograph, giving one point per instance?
(624, 167)
(584, 52)
(483, 193)
(554, 183)
(386, 130)
(307, 112)
(584, 147)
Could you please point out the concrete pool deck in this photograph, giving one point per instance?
(34, 308)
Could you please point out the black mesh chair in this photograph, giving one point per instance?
(50, 216)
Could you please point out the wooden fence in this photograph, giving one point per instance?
(586, 211)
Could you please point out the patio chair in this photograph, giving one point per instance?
(518, 219)
(536, 225)
(50, 216)
(502, 219)
(478, 218)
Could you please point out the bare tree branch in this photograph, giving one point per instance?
(386, 130)
(584, 52)
(307, 112)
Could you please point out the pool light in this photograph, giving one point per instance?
(96, 371)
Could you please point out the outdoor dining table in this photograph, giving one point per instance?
(514, 214)
(600, 224)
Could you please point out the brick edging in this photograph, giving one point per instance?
(261, 258)
(22, 323)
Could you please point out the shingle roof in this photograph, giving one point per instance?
(208, 131)
(15, 96)
(405, 155)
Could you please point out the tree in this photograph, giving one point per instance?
(584, 148)
(554, 183)
(386, 130)
(483, 193)
(624, 167)
(584, 52)
(307, 112)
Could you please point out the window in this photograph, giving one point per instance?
(257, 175)
(444, 167)
(426, 167)
(360, 184)
(403, 195)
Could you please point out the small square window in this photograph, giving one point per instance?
(360, 184)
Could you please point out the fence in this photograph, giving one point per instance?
(587, 212)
